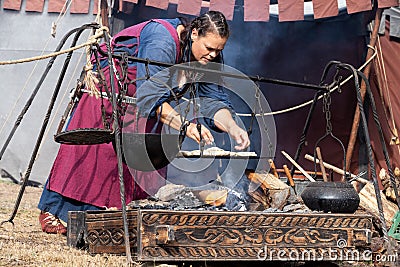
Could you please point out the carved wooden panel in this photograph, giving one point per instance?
(105, 232)
(161, 235)
(166, 235)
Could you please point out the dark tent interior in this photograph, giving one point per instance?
(291, 51)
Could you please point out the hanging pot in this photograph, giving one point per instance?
(335, 197)
(150, 151)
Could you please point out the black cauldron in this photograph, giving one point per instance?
(150, 151)
(335, 197)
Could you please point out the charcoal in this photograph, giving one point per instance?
(149, 203)
(295, 208)
(186, 199)
(236, 202)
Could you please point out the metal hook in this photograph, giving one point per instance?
(201, 142)
(326, 69)
(337, 80)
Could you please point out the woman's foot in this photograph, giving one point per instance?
(51, 224)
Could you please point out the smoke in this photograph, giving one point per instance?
(293, 51)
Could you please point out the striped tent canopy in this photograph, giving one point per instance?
(254, 10)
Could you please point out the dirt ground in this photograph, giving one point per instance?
(24, 244)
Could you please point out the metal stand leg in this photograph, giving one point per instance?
(305, 129)
(117, 134)
(382, 139)
(47, 116)
(369, 147)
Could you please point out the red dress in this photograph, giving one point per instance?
(89, 173)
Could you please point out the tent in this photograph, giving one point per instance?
(289, 49)
(384, 81)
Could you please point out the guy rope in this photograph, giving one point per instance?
(92, 40)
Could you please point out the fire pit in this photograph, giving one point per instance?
(165, 235)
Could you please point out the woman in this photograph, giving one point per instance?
(86, 177)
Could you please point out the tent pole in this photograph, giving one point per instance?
(356, 120)
(104, 13)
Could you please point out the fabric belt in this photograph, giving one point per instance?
(127, 99)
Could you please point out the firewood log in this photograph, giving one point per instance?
(267, 181)
(368, 203)
(277, 192)
(213, 197)
(259, 196)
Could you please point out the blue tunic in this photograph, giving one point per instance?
(156, 43)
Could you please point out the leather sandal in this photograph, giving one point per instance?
(51, 224)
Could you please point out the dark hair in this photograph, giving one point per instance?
(210, 22)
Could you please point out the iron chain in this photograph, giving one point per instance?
(257, 96)
(327, 100)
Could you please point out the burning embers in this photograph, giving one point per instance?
(253, 192)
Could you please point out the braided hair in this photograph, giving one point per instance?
(210, 22)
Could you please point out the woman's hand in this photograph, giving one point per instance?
(224, 121)
(170, 117)
(240, 136)
(192, 131)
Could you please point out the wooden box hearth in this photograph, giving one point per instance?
(166, 235)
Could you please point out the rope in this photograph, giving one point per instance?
(99, 33)
(98, 16)
(381, 64)
(90, 42)
(307, 102)
(310, 101)
(90, 78)
(60, 16)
